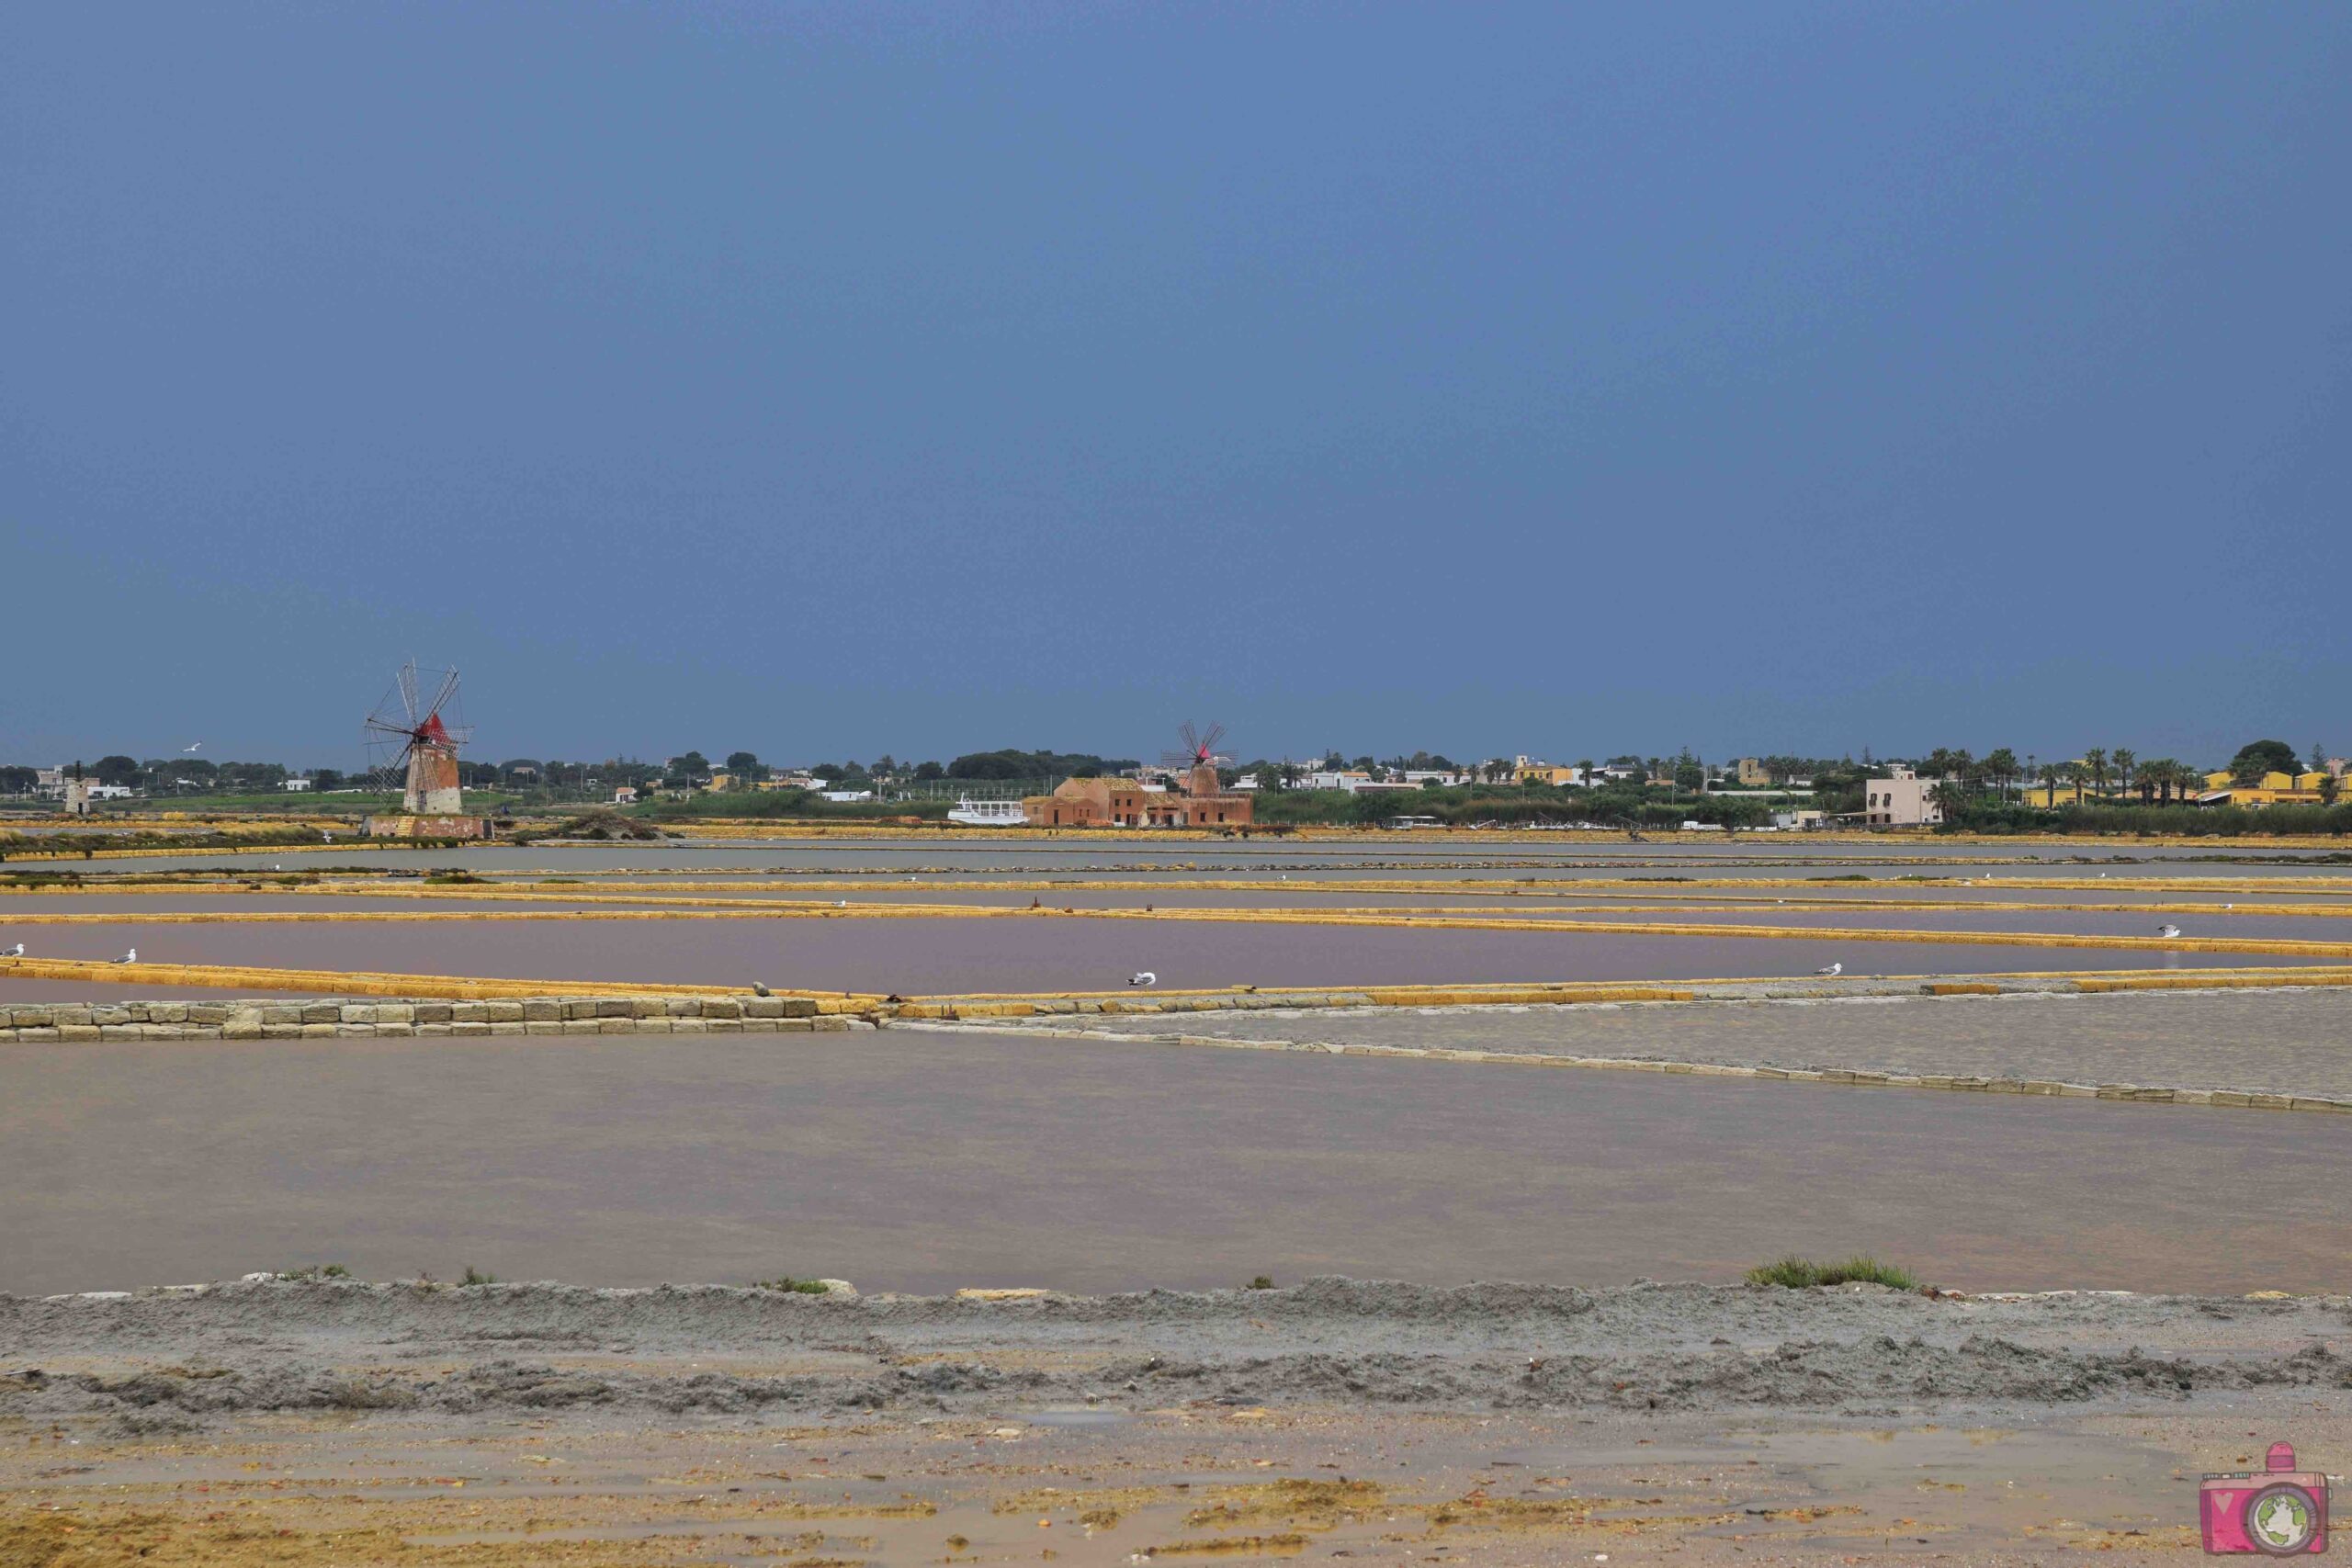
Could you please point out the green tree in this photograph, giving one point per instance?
(2002, 764)
(2094, 766)
(2330, 786)
(2259, 757)
(929, 771)
(115, 769)
(2124, 757)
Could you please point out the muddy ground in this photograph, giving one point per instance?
(277, 1421)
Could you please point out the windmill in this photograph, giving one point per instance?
(415, 739)
(1199, 759)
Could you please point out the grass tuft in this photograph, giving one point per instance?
(316, 1271)
(787, 1283)
(1798, 1273)
(1262, 1283)
(476, 1276)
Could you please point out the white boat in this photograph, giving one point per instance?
(987, 813)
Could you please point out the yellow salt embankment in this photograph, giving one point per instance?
(373, 983)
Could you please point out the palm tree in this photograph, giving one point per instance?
(2124, 757)
(2049, 774)
(2002, 765)
(1584, 771)
(2094, 765)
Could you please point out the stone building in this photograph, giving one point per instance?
(1201, 802)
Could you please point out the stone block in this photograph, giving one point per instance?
(109, 1016)
(470, 1012)
(538, 1010)
(715, 1007)
(207, 1012)
(431, 1030)
(829, 1024)
(611, 1006)
(358, 1013)
(38, 1034)
(682, 1006)
(617, 1026)
(505, 1011)
(761, 1025)
(505, 1028)
(724, 1025)
(322, 1012)
(281, 1031)
(77, 1032)
(798, 1007)
(646, 1006)
(581, 1025)
(471, 1028)
(764, 1007)
(434, 1013)
(579, 1007)
(689, 1026)
(542, 1026)
(319, 1030)
(281, 1012)
(167, 1013)
(395, 1012)
(355, 1030)
(245, 1027)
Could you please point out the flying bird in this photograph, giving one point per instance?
(186, 749)
(1143, 977)
(130, 957)
(1833, 970)
(2167, 930)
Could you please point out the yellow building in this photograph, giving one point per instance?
(722, 781)
(1752, 773)
(1546, 774)
(2276, 789)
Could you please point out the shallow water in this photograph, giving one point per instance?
(927, 1162)
(1022, 954)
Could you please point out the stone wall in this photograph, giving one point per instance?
(392, 1018)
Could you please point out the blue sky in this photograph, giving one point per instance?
(830, 380)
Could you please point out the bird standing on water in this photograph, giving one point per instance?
(2167, 930)
(1833, 971)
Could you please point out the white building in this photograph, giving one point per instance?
(1901, 801)
(296, 786)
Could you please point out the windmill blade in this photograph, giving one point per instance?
(447, 687)
(1191, 737)
(408, 694)
(386, 727)
(1208, 741)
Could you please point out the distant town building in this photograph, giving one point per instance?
(625, 795)
(1752, 773)
(1125, 803)
(294, 786)
(1901, 801)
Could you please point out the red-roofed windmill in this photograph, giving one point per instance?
(1199, 753)
(415, 739)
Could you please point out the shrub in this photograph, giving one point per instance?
(787, 1283)
(1262, 1283)
(476, 1276)
(1797, 1273)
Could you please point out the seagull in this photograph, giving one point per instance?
(1833, 970)
(130, 957)
(1143, 977)
(2167, 930)
(186, 751)
(275, 865)
(16, 952)
(759, 989)
(840, 903)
